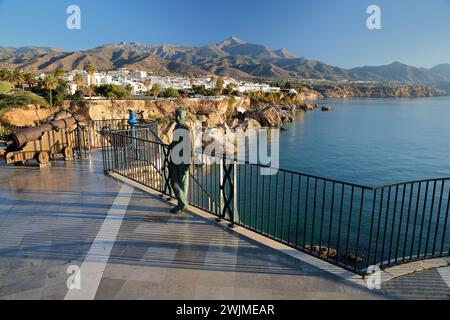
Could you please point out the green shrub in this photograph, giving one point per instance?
(170, 93)
(113, 91)
(20, 99)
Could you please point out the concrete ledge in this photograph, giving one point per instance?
(413, 267)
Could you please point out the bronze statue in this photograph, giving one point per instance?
(180, 151)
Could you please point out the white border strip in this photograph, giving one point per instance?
(93, 267)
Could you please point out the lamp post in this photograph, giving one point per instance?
(132, 121)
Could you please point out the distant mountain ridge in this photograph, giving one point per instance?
(231, 57)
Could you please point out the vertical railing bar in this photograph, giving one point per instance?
(323, 215)
(379, 225)
(314, 214)
(149, 160)
(262, 202)
(245, 194)
(386, 225)
(341, 209)
(400, 223)
(276, 206)
(251, 197)
(431, 218)
(149, 163)
(306, 214)
(423, 218)
(445, 224)
(358, 234)
(298, 209)
(438, 219)
(415, 222)
(371, 228)
(290, 209)
(394, 215)
(256, 198)
(331, 219)
(349, 228)
(407, 221)
(196, 184)
(269, 214)
(283, 206)
(143, 153)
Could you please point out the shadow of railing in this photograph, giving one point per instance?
(350, 225)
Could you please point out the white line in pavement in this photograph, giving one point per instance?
(445, 274)
(95, 262)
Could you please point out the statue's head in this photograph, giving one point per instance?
(180, 116)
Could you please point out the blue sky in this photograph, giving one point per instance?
(416, 32)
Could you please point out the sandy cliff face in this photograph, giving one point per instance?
(29, 116)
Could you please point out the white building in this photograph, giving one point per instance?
(139, 75)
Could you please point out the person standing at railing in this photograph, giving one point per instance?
(180, 155)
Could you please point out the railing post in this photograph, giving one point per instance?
(228, 186)
(235, 193)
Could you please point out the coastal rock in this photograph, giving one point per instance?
(219, 139)
(307, 107)
(213, 119)
(323, 251)
(286, 116)
(248, 124)
(325, 108)
(233, 123)
(267, 117)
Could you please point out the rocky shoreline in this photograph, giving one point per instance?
(335, 91)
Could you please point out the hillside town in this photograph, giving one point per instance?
(141, 82)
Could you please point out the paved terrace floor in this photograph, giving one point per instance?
(129, 247)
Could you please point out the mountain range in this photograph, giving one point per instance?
(231, 57)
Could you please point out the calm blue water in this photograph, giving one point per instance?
(371, 141)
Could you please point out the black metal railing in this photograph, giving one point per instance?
(94, 139)
(350, 225)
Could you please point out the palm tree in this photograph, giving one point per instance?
(156, 89)
(5, 74)
(148, 84)
(17, 77)
(59, 73)
(50, 83)
(90, 69)
(30, 79)
(191, 80)
(78, 79)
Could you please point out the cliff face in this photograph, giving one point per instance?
(158, 109)
(306, 94)
(353, 91)
(29, 116)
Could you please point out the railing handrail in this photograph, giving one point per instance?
(330, 180)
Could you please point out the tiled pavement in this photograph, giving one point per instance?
(431, 284)
(49, 219)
